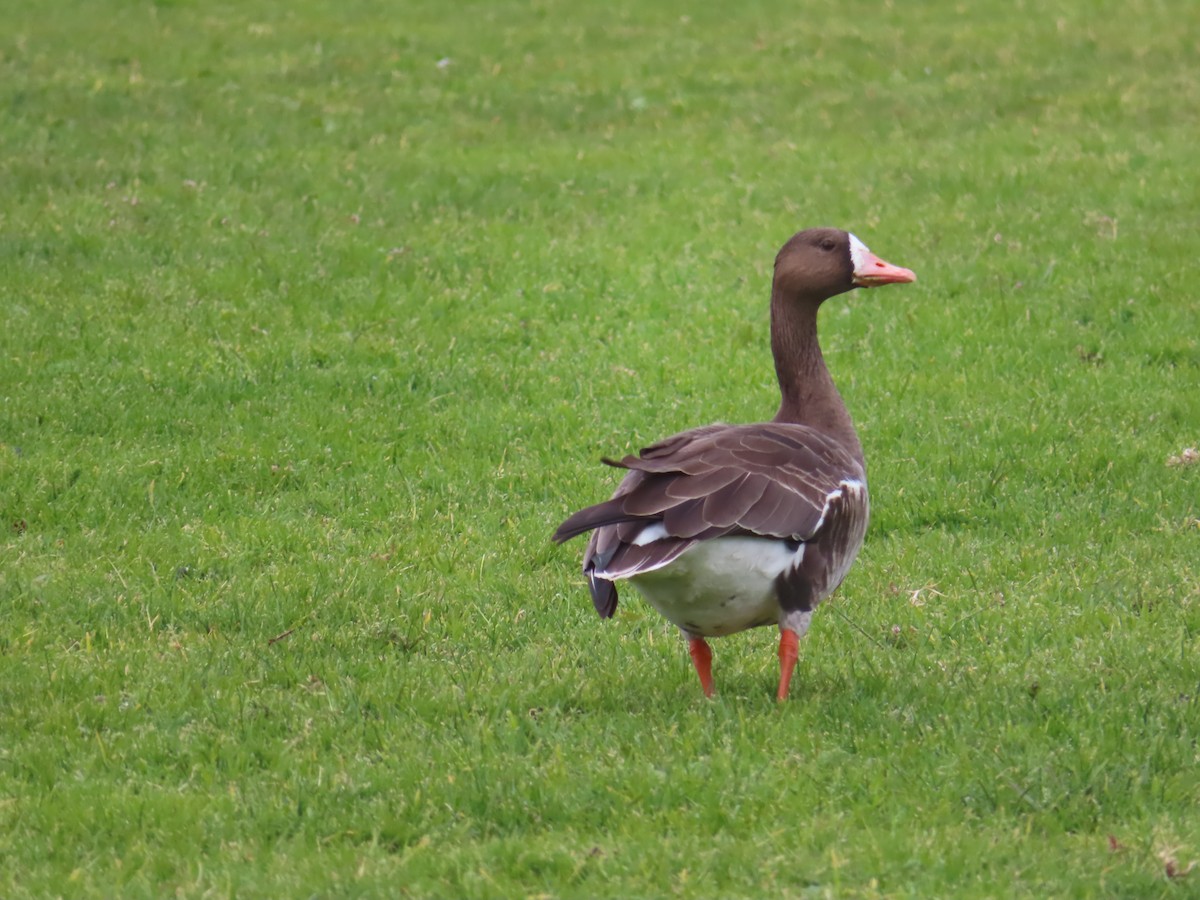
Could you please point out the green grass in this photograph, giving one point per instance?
(307, 343)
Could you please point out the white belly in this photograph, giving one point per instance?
(722, 586)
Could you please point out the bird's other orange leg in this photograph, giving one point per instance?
(789, 649)
(702, 660)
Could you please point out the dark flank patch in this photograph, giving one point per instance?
(794, 587)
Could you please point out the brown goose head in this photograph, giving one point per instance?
(823, 262)
(812, 267)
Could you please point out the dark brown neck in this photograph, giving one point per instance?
(807, 393)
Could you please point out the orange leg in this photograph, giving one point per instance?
(702, 660)
(789, 649)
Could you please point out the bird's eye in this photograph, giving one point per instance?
(828, 244)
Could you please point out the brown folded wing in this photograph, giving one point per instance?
(772, 480)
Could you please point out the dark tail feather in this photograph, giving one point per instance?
(604, 594)
(607, 513)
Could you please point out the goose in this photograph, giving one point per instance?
(723, 528)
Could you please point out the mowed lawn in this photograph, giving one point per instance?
(315, 319)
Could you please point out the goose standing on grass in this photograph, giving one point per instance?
(729, 527)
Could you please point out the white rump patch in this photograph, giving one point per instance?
(656, 531)
(720, 586)
(858, 253)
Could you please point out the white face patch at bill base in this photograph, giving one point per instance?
(859, 254)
